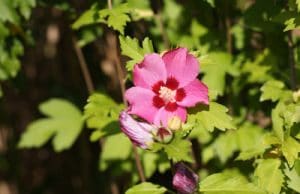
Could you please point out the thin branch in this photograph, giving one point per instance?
(228, 35)
(109, 3)
(121, 79)
(83, 66)
(161, 26)
(138, 164)
(228, 29)
(292, 62)
(162, 30)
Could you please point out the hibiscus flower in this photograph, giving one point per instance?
(165, 86)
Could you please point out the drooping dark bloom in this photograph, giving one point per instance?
(185, 181)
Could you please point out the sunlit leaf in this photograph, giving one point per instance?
(146, 188)
(293, 178)
(274, 179)
(290, 150)
(228, 183)
(64, 123)
(215, 116)
(131, 48)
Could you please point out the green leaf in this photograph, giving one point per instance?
(130, 47)
(290, 150)
(88, 17)
(211, 2)
(215, 116)
(25, 7)
(247, 139)
(149, 163)
(178, 149)
(116, 17)
(146, 188)
(257, 71)
(56, 107)
(274, 179)
(116, 147)
(8, 13)
(293, 181)
(277, 120)
(271, 90)
(228, 183)
(291, 114)
(64, 123)
(102, 113)
(215, 66)
(225, 145)
(37, 133)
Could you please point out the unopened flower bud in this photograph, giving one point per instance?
(164, 135)
(140, 133)
(174, 123)
(296, 95)
(185, 181)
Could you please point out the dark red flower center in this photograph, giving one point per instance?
(167, 94)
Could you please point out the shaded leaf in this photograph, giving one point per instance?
(271, 90)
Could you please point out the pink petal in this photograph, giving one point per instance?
(150, 71)
(163, 115)
(195, 92)
(141, 103)
(181, 65)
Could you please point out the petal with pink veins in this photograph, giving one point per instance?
(150, 71)
(138, 132)
(182, 66)
(163, 115)
(141, 103)
(195, 92)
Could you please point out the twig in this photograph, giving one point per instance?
(83, 66)
(122, 86)
(228, 29)
(161, 26)
(292, 61)
(162, 30)
(228, 35)
(109, 3)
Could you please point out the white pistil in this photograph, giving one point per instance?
(167, 94)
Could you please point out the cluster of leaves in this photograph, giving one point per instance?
(257, 136)
(13, 13)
